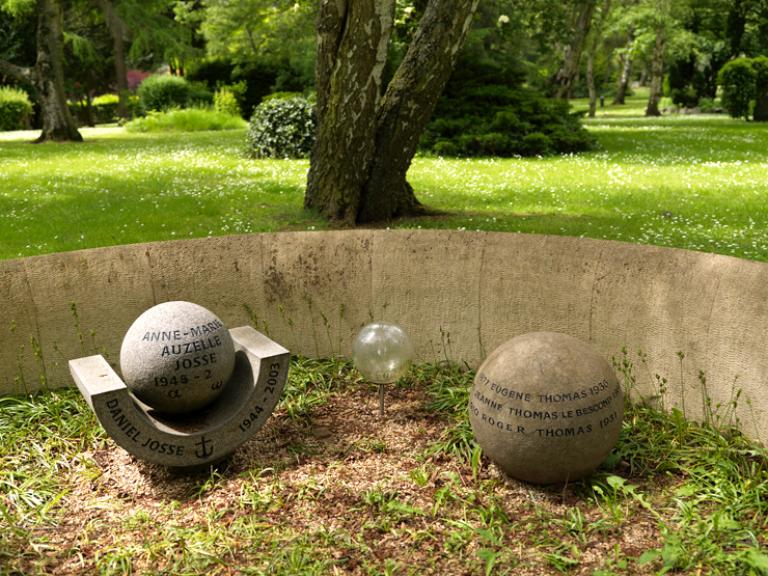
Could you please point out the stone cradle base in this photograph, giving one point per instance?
(203, 437)
(458, 295)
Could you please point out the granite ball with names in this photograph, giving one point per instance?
(177, 357)
(546, 408)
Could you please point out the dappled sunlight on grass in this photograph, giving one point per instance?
(684, 182)
(697, 182)
(119, 188)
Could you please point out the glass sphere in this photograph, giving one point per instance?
(382, 352)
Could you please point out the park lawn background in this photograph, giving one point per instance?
(319, 490)
(697, 182)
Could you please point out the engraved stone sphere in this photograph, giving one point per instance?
(546, 408)
(176, 357)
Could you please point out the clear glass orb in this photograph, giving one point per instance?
(382, 352)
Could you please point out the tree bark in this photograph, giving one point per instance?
(58, 123)
(566, 75)
(367, 136)
(352, 41)
(626, 70)
(117, 31)
(657, 74)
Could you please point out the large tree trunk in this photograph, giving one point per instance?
(626, 70)
(657, 74)
(566, 75)
(367, 136)
(58, 123)
(117, 32)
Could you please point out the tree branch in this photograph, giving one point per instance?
(428, 63)
(19, 73)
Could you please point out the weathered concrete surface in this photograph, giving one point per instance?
(546, 407)
(428, 282)
(202, 437)
(458, 294)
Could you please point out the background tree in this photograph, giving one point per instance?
(486, 108)
(747, 27)
(621, 29)
(659, 17)
(47, 75)
(582, 22)
(594, 42)
(118, 32)
(271, 39)
(87, 59)
(627, 55)
(368, 132)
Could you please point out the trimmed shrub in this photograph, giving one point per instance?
(225, 100)
(162, 92)
(15, 109)
(187, 120)
(738, 81)
(282, 128)
(498, 120)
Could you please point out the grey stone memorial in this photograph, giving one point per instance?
(197, 390)
(546, 408)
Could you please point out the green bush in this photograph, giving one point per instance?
(709, 106)
(103, 109)
(15, 109)
(737, 78)
(186, 120)
(199, 96)
(162, 92)
(282, 128)
(498, 120)
(225, 100)
(686, 97)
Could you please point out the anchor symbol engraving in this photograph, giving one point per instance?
(204, 451)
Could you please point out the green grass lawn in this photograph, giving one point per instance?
(697, 182)
(327, 487)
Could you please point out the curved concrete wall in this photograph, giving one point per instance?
(459, 295)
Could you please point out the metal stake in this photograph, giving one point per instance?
(381, 400)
